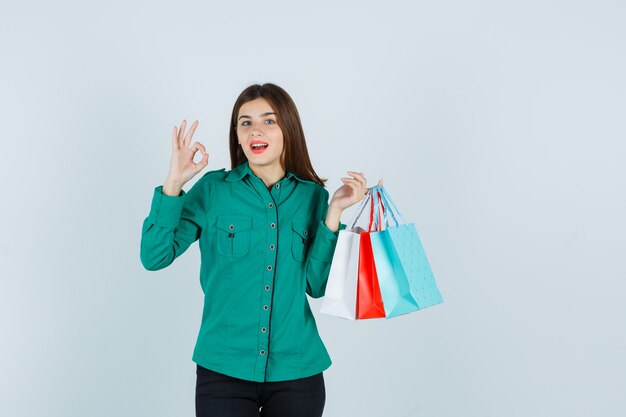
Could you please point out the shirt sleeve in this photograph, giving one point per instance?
(321, 255)
(173, 224)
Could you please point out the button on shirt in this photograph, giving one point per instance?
(261, 251)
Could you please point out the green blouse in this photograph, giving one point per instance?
(261, 252)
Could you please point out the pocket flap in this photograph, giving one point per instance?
(303, 229)
(234, 223)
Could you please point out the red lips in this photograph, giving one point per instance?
(259, 149)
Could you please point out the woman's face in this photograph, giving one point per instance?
(259, 134)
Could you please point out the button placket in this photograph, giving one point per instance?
(268, 284)
(272, 238)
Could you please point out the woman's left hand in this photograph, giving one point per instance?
(353, 191)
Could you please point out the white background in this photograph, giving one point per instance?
(497, 126)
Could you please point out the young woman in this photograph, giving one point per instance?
(267, 234)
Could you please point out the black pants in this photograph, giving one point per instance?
(219, 395)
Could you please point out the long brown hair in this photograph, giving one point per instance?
(295, 156)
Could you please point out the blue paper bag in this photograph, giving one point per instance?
(403, 248)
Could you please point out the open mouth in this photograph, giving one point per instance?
(258, 146)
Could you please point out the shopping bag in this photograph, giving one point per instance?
(381, 271)
(369, 302)
(416, 266)
(340, 296)
(394, 285)
(411, 256)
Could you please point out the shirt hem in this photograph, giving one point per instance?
(276, 376)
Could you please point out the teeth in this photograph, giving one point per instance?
(259, 145)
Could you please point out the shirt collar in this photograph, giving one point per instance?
(243, 169)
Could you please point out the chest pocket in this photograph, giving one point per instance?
(301, 238)
(233, 235)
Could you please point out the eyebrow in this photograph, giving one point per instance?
(260, 115)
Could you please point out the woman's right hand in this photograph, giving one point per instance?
(182, 167)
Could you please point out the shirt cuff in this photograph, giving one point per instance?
(324, 244)
(165, 210)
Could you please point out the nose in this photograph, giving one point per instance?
(256, 130)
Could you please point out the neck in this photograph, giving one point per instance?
(269, 174)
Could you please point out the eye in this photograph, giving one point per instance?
(270, 120)
(244, 123)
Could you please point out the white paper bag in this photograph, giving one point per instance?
(340, 297)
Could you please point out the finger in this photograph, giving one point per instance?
(358, 175)
(174, 138)
(198, 146)
(357, 194)
(361, 180)
(360, 189)
(190, 134)
(358, 183)
(181, 133)
(202, 163)
(355, 185)
(352, 180)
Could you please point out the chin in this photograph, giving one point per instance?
(260, 162)
(263, 161)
